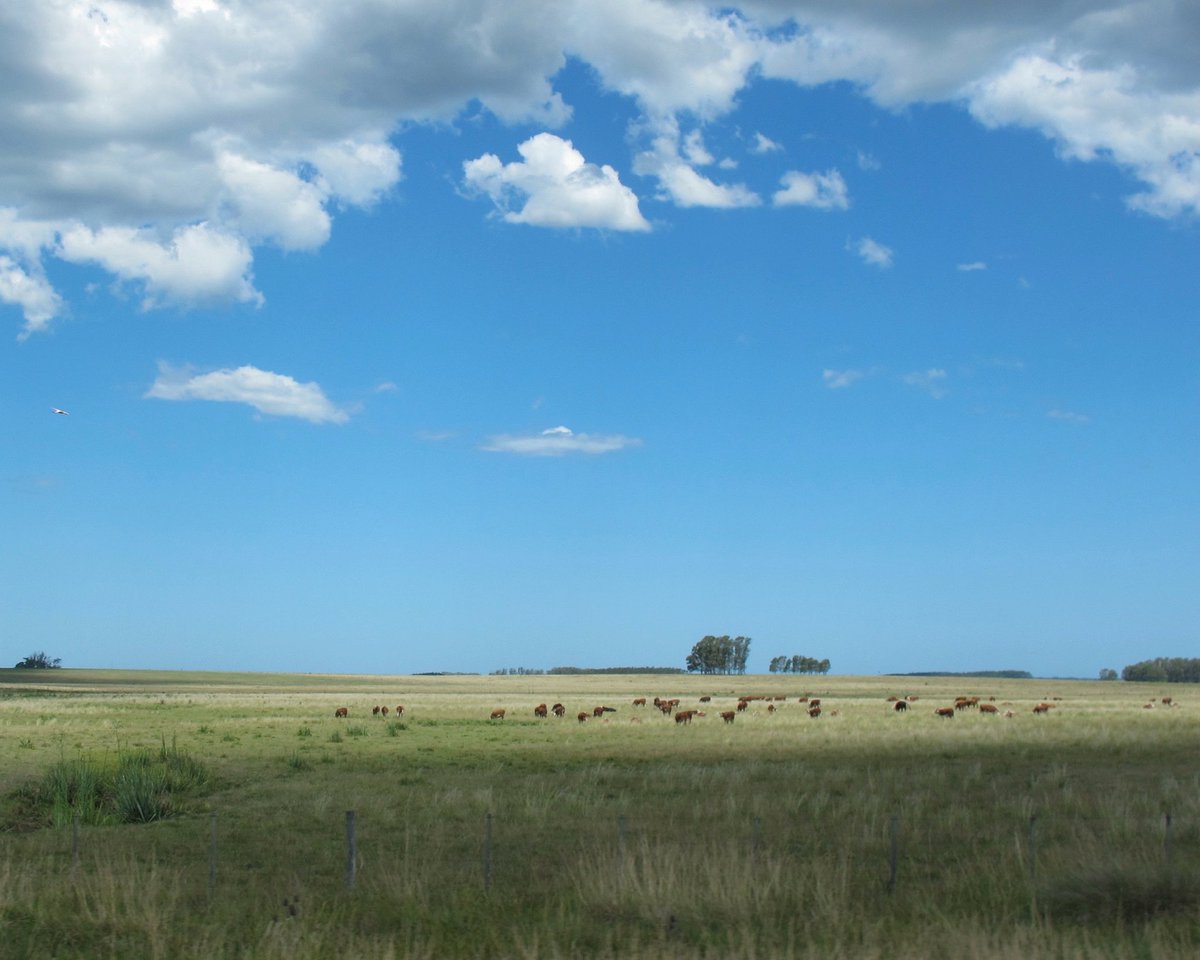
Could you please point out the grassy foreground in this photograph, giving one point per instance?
(860, 833)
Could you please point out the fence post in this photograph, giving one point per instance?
(212, 855)
(351, 849)
(1033, 868)
(487, 852)
(893, 854)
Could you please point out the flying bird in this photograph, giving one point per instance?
(63, 412)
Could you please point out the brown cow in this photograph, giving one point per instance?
(814, 710)
(639, 702)
(728, 716)
(684, 716)
(375, 711)
(341, 712)
(814, 702)
(400, 710)
(582, 717)
(598, 712)
(770, 708)
(947, 712)
(900, 706)
(540, 710)
(742, 705)
(384, 711)
(1043, 708)
(706, 699)
(988, 708)
(558, 710)
(498, 713)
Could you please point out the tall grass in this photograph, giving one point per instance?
(769, 838)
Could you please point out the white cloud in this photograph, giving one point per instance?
(680, 183)
(269, 393)
(867, 162)
(31, 292)
(763, 144)
(557, 186)
(198, 263)
(825, 191)
(972, 267)
(557, 442)
(841, 379)
(128, 114)
(931, 381)
(873, 252)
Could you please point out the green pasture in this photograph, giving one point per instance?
(860, 833)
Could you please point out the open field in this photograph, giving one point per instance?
(629, 836)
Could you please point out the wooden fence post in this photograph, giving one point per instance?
(487, 852)
(893, 853)
(351, 849)
(1033, 868)
(212, 856)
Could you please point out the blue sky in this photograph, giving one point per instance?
(460, 336)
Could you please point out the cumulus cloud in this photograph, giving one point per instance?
(555, 187)
(973, 267)
(764, 144)
(824, 191)
(872, 252)
(197, 263)
(557, 442)
(273, 394)
(257, 123)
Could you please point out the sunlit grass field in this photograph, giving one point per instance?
(859, 833)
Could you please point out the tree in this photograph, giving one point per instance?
(1108, 673)
(39, 661)
(724, 654)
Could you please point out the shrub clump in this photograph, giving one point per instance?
(143, 786)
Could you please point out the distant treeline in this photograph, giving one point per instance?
(1165, 670)
(447, 673)
(985, 674)
(579, 670)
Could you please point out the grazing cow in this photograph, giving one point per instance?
(1167, 702)
(341, 712)
(400, 710)
(684, 716)
(540, 710)
(498, 713)
(384, 711)
(639, 702)
(947, 712)
(1043, 708)
(728, 716)
(706, 699)
(558, 710)
(375, 711)
(598, 712)
(814, 702)
(742, 705)
(1145, 706)
(770, 708)
(900, 706)
(814, 710)
(892, 699)
(582, 716)
(988, 708)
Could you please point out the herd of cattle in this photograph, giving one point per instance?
(811, 705)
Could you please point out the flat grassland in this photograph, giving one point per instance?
(864, 832)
